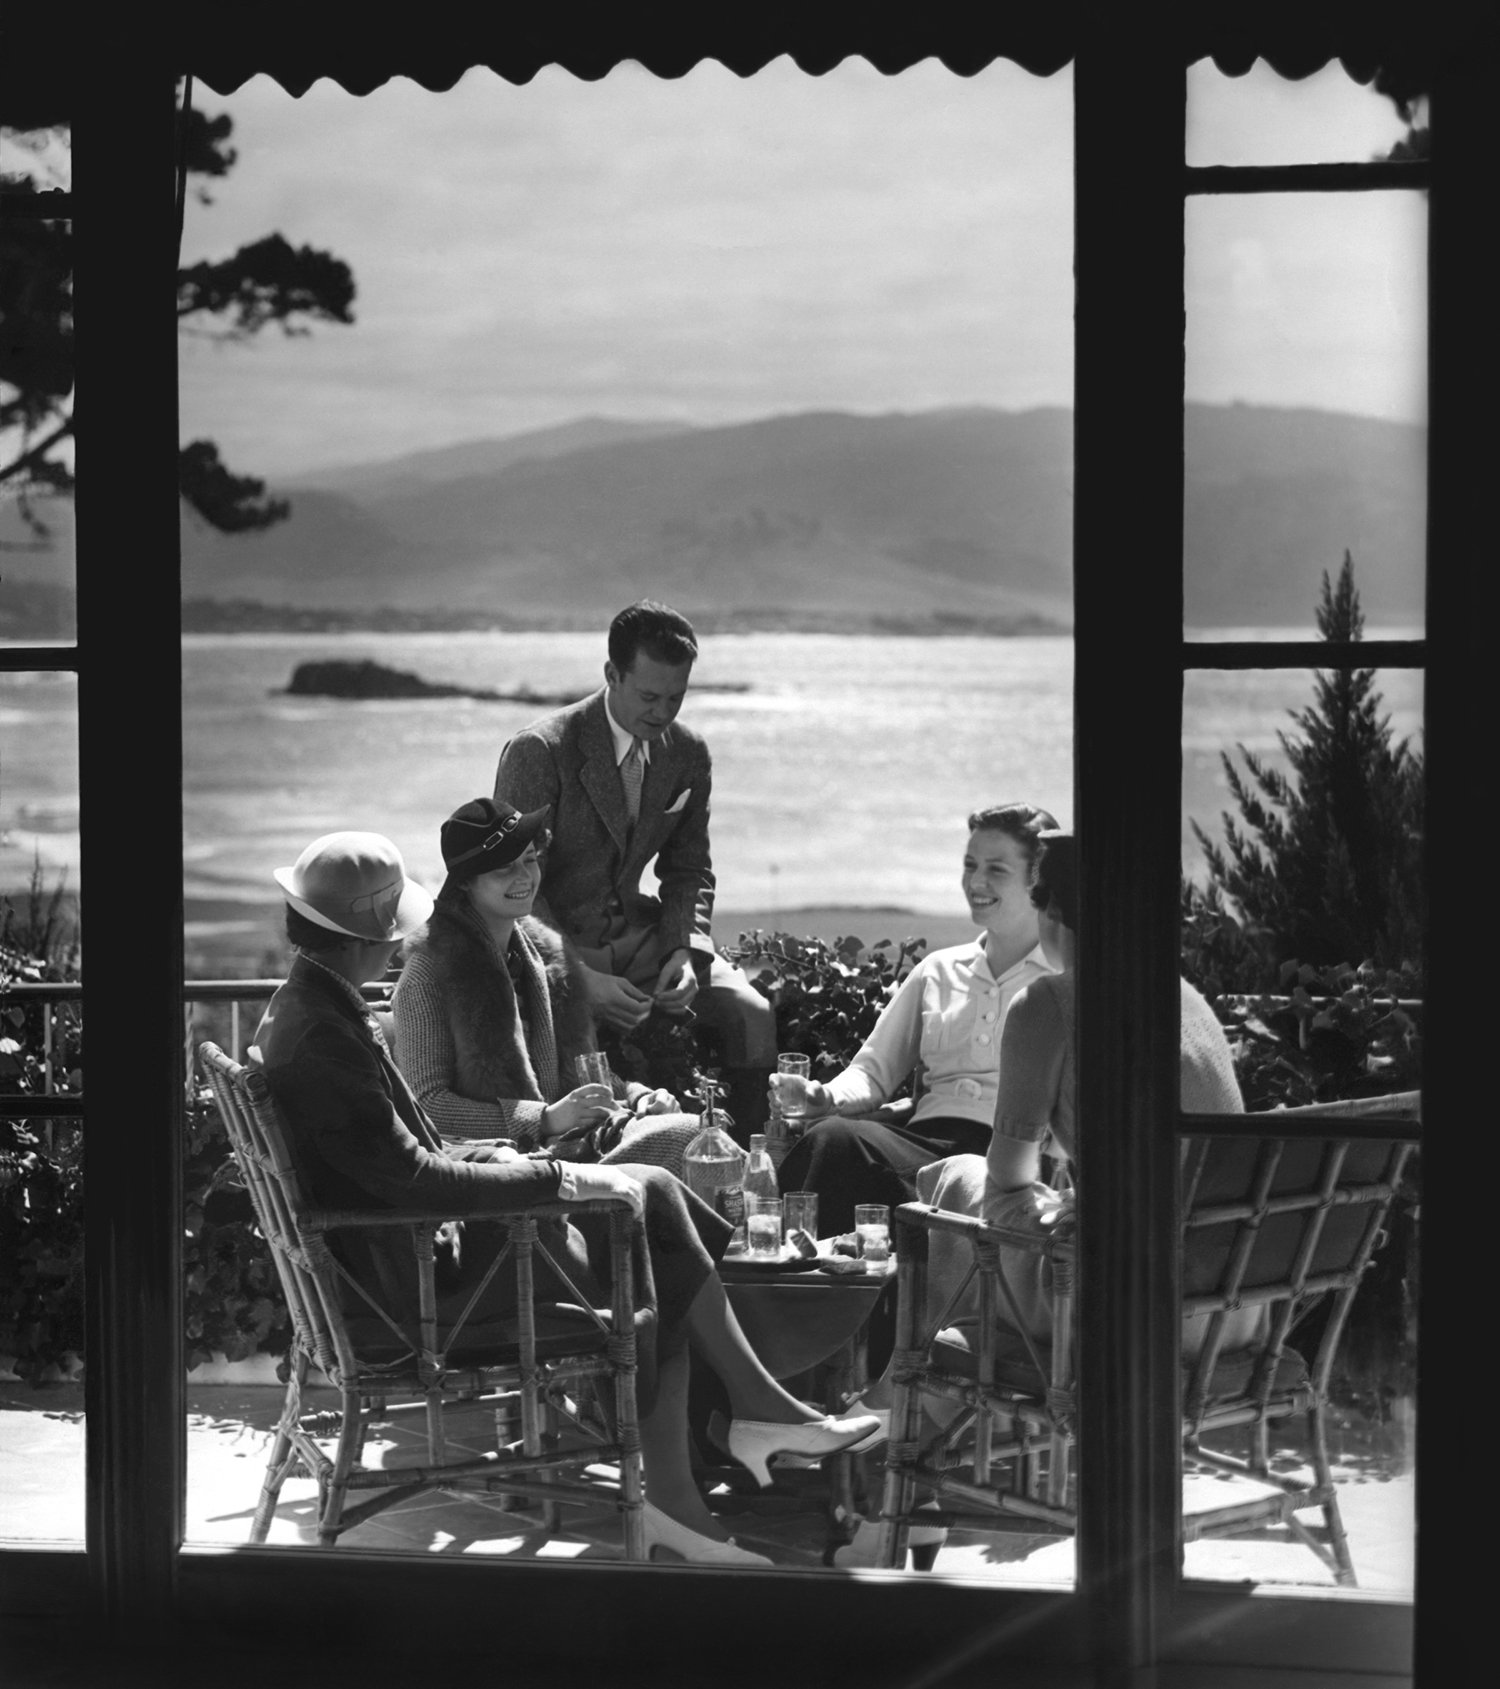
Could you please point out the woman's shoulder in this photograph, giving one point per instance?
(445, 953)
(1045, 998)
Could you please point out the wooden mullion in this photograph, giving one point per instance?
(1128, 445)
(39, 659)
(1459, 717)
(53, 205)
(129, 649)
(1304, 654)
(1373, 177)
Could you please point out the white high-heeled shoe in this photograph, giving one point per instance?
(853, 1410)
(752, 1442)
(663, 1531)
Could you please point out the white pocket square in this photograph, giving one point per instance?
(681, 798)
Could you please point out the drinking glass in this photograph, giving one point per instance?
(763, 1226)
(872, 1220)
(793, 1098)
(800, 1211)
(592, 1068)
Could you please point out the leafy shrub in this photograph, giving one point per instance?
(41, 1159)
(232, 1301)
(827, 997)
(41, 1246)
(1341, 1033)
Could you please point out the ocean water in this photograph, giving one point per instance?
(841, 776)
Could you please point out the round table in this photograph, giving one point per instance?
(797, 1320)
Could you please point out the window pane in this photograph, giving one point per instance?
(1306, 416)
(1303, 925)
(37, 595)
(1265, 118)
(730, 343)
(41, 1185)
(1355, 1444)
(1288, 739)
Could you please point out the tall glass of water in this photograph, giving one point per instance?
(763, 1226)
(800, 1212)
(793, 1098)
(592, 1068)
(872, 1220)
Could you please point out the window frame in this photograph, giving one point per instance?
(1130, 1610)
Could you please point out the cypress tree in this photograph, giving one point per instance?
(1322, 866)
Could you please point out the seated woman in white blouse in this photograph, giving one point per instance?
(1038, 1096)
(947, 1014)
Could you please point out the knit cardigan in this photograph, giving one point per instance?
(460, 1037)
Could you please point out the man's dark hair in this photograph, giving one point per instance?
(304, 934)
(664, 634)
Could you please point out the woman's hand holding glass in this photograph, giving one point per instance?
(577, 1111)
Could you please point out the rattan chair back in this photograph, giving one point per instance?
(1272, 1229)
(563, 1372)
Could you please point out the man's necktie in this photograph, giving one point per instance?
(632, 772)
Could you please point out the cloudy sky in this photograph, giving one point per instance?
(714, 249)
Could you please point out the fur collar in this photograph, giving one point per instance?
(492, 1056)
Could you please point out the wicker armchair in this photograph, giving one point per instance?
(1271, 1227)
(566, 1371)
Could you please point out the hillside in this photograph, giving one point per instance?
(818, 519)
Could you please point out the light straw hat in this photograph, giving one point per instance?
(355, 883)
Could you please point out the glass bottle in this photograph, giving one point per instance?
(713, 1165)
(760, 1170)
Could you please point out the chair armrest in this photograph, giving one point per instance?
(342, 1219)
(923, 1214)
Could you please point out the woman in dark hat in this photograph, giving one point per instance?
(492, 1009)
(362, 1141)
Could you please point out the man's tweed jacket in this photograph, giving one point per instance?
(591, 886)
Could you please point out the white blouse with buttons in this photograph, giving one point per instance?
(948, 1014)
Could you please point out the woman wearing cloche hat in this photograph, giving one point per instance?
(492, 1011)
(363, 1142)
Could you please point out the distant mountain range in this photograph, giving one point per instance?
(947, 518)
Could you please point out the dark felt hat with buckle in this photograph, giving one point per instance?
(486, 834)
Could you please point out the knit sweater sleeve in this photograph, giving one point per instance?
(1209, 1084)
(427, 1056)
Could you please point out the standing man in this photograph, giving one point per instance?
(627, 783)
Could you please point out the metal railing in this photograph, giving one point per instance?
(54, 1102)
